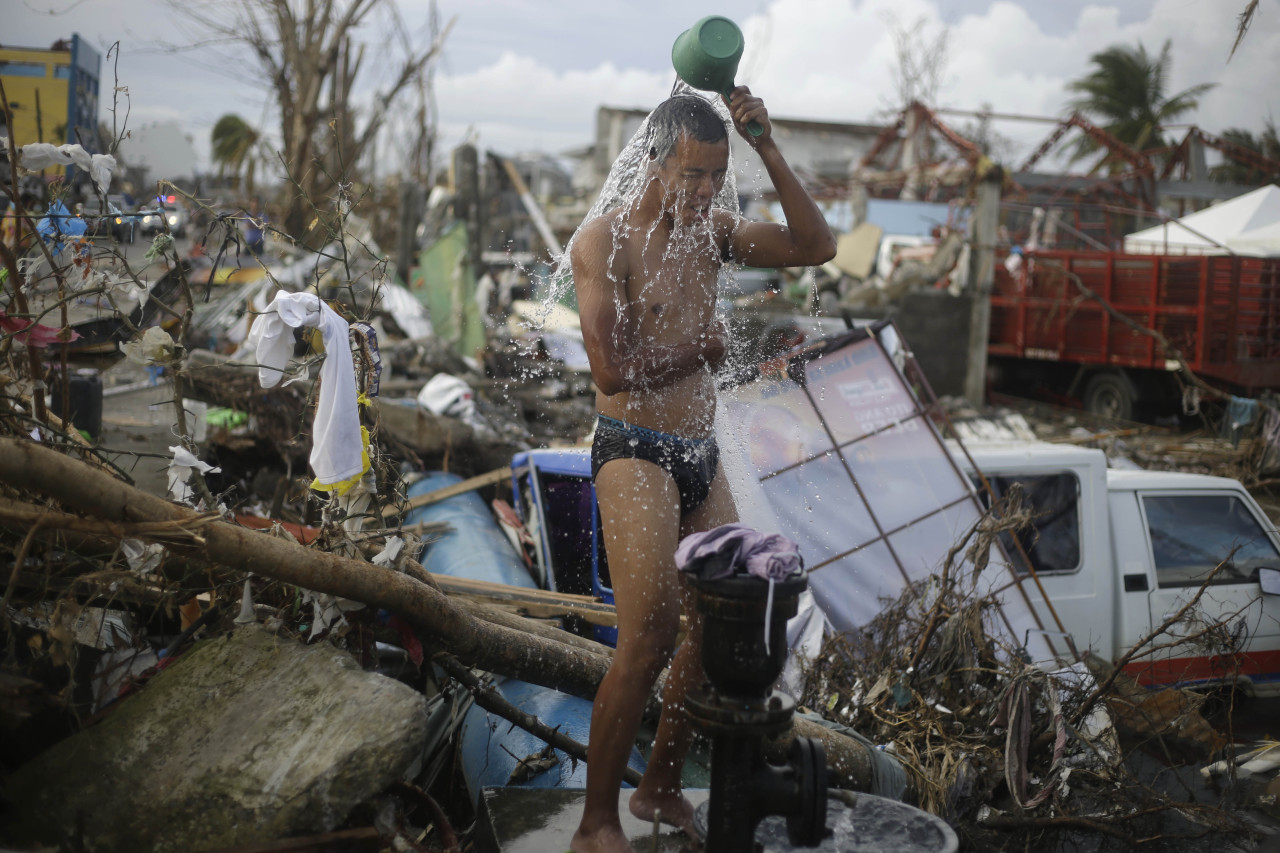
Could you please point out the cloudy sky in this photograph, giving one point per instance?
(524, 75)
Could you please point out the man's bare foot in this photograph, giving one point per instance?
(608, 840)
(673, 810)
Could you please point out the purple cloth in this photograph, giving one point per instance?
(726, 542)
(738, 549)
(773, 557)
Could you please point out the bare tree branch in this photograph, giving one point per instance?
(307, 51)
(1243, 20)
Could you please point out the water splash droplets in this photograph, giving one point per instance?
(626, 180)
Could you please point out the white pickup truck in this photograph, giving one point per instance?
(1119, 552)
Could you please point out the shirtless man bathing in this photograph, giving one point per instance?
(646, 278)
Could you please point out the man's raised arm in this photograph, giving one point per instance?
(806, 239)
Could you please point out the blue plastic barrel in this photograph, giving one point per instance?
(475, 547)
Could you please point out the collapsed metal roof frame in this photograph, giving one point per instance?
(901, 165)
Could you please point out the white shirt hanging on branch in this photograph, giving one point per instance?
(338, 448)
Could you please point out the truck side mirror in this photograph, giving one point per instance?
(1269, 580)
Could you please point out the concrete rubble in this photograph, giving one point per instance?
(248, 738)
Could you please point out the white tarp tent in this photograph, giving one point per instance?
(1245, 225)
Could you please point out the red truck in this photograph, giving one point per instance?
(1220, 313)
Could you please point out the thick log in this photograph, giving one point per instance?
(433, 437)
(421, 430)
(27, 465)
(278, 412)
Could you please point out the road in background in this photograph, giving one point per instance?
(137, 406)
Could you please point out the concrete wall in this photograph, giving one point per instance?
(935, 326)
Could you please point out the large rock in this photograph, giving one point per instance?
(244, 739)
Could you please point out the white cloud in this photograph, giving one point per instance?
(834, 60)
(528, 77)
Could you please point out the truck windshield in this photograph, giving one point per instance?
(1052, 540)
(1192, 534)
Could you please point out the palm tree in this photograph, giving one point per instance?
(233, 141)
(1125, 95)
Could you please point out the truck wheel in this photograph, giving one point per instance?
(1109, 395)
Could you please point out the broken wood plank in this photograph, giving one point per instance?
(497, 475)
(544, 610)
(505, 616)
(451, 583)
(536, 602)
(1100, 436)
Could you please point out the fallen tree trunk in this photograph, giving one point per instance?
(466, 631)
(30, 466)
(68, 532)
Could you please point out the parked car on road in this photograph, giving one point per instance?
(1118, 552)
(112, 221)
(124, 224)
(155, 215)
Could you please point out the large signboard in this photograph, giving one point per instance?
(833, 449)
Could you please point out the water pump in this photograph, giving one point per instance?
(738, 709)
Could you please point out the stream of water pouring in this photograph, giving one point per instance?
(626, 181)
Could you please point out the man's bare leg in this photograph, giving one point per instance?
(659, 792)
(660, 788)
(640, 509)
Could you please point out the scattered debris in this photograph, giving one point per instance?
(1005, 752)
(153, 650)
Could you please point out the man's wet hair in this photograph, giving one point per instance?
(691, 114)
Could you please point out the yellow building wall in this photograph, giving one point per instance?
(49, 123)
